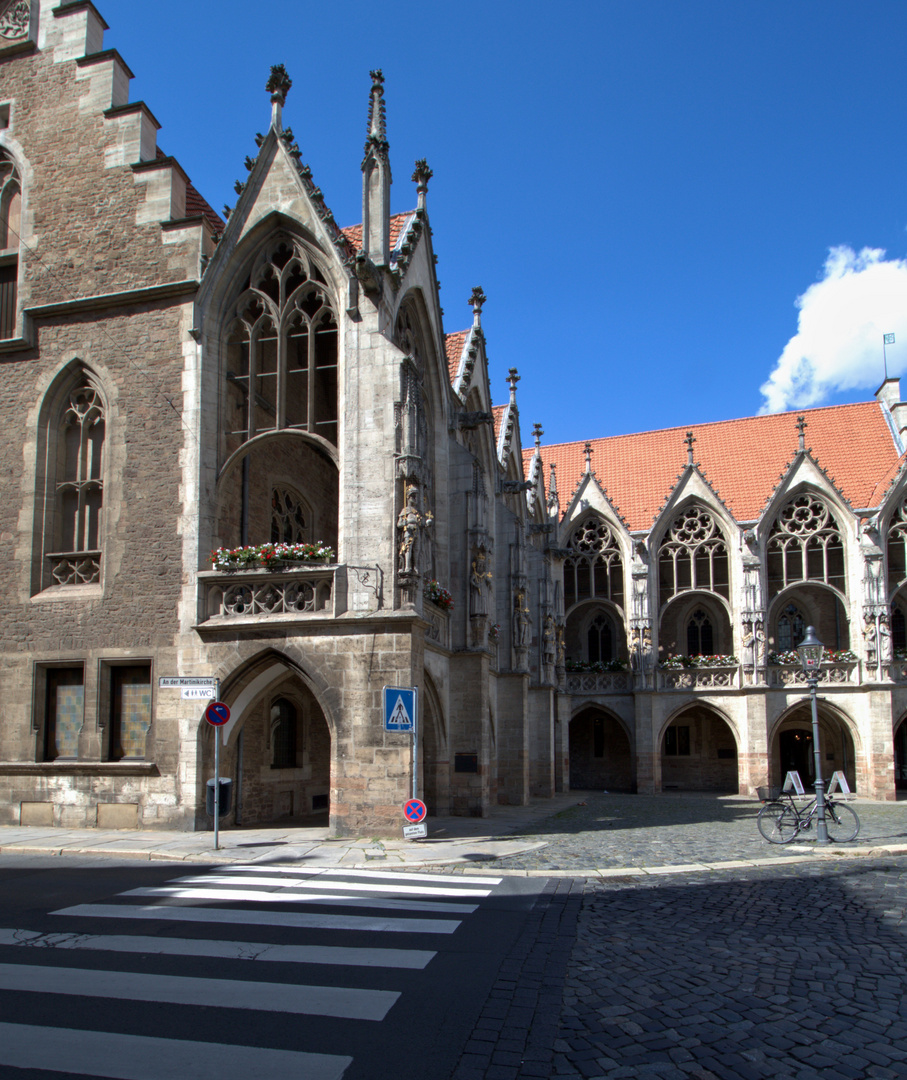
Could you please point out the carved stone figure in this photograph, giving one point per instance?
(410, 524)
(870, 641)
(479, 577)
(749, 645)
(522, 621)
(548, 641)
(14, 21)
(759, 635)
(885, 653)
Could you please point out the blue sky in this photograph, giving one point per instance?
(643, 188)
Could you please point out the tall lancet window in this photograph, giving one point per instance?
(282, 350)
(10, 224)
(75, 489)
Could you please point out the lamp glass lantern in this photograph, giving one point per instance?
(810, 650)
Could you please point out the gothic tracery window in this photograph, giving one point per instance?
(289, 524)
(600, 640)
(805, 545)
(700, 639)
(791, 628)
(693, 555)
(282, 350)
(10, 224)
(594, 567)
(72, 542)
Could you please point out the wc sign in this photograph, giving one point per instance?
(400, 708)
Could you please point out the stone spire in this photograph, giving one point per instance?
(801, 429)
(420, 178)
(553, 501)
(689, 440)
(537, 433)
(278, 86)
(476, 300)
(376, 179)
(513, 379)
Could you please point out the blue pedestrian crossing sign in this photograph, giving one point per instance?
(400, 708)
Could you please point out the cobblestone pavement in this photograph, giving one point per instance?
(614, 831)
(793, 972)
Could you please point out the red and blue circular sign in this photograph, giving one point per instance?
(217, 713)
(414, 810)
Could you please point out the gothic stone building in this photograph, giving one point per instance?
(247, 450)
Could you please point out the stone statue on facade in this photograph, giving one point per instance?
(885, 651)
(479, 577)
(549, 647)
(870, 642)
(522, 621)
(410, 524)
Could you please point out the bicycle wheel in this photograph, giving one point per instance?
(777, 822)
(842, 822)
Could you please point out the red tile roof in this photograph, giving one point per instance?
(497, 411)
(353, 233)
(453, 344)
(197, 204)
(742, 460)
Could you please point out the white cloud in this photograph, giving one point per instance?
(838, 344)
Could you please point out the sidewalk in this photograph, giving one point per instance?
(578, 834)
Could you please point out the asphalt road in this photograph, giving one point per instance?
(147, 972)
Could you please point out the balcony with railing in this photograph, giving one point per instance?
(273, 594)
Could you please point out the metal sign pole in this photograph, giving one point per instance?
(415, 741)
(216, 773)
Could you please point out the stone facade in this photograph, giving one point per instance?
(177, 385)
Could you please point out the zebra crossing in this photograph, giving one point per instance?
(249, 940)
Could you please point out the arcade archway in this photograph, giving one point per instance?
(699, 753)
(601, 757)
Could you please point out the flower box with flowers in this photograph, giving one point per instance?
(597, 667)
(438, 595)
(676, 662)
(271, 556)
(791, 658)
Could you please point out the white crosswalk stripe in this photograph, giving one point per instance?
(351, 902)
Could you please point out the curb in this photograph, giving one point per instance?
(595, 873)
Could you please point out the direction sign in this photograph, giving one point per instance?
(399, 708)
(177, 682)
(217, 713)
(414, 810)
(198, 693)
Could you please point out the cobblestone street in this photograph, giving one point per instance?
(797, 973)
(789, 971)
(616, 831)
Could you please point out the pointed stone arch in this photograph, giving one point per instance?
(277, 773)
(790, 745)
(435, 750)
(602, 752)
(699, 750)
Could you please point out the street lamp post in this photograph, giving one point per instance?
(811, 650)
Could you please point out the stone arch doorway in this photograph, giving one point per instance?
(792, 747)
(601, 757)
(276, 749)
(699, 753)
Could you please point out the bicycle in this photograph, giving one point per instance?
(780, 819)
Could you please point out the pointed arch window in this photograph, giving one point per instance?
(693, 555)
(791, 628)
(600, 640)
(74, 492)
(282, 350)
(700, 639)
(284, 721)
(594, 567)
(10, 224)
(805, 545)
(289, 517)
